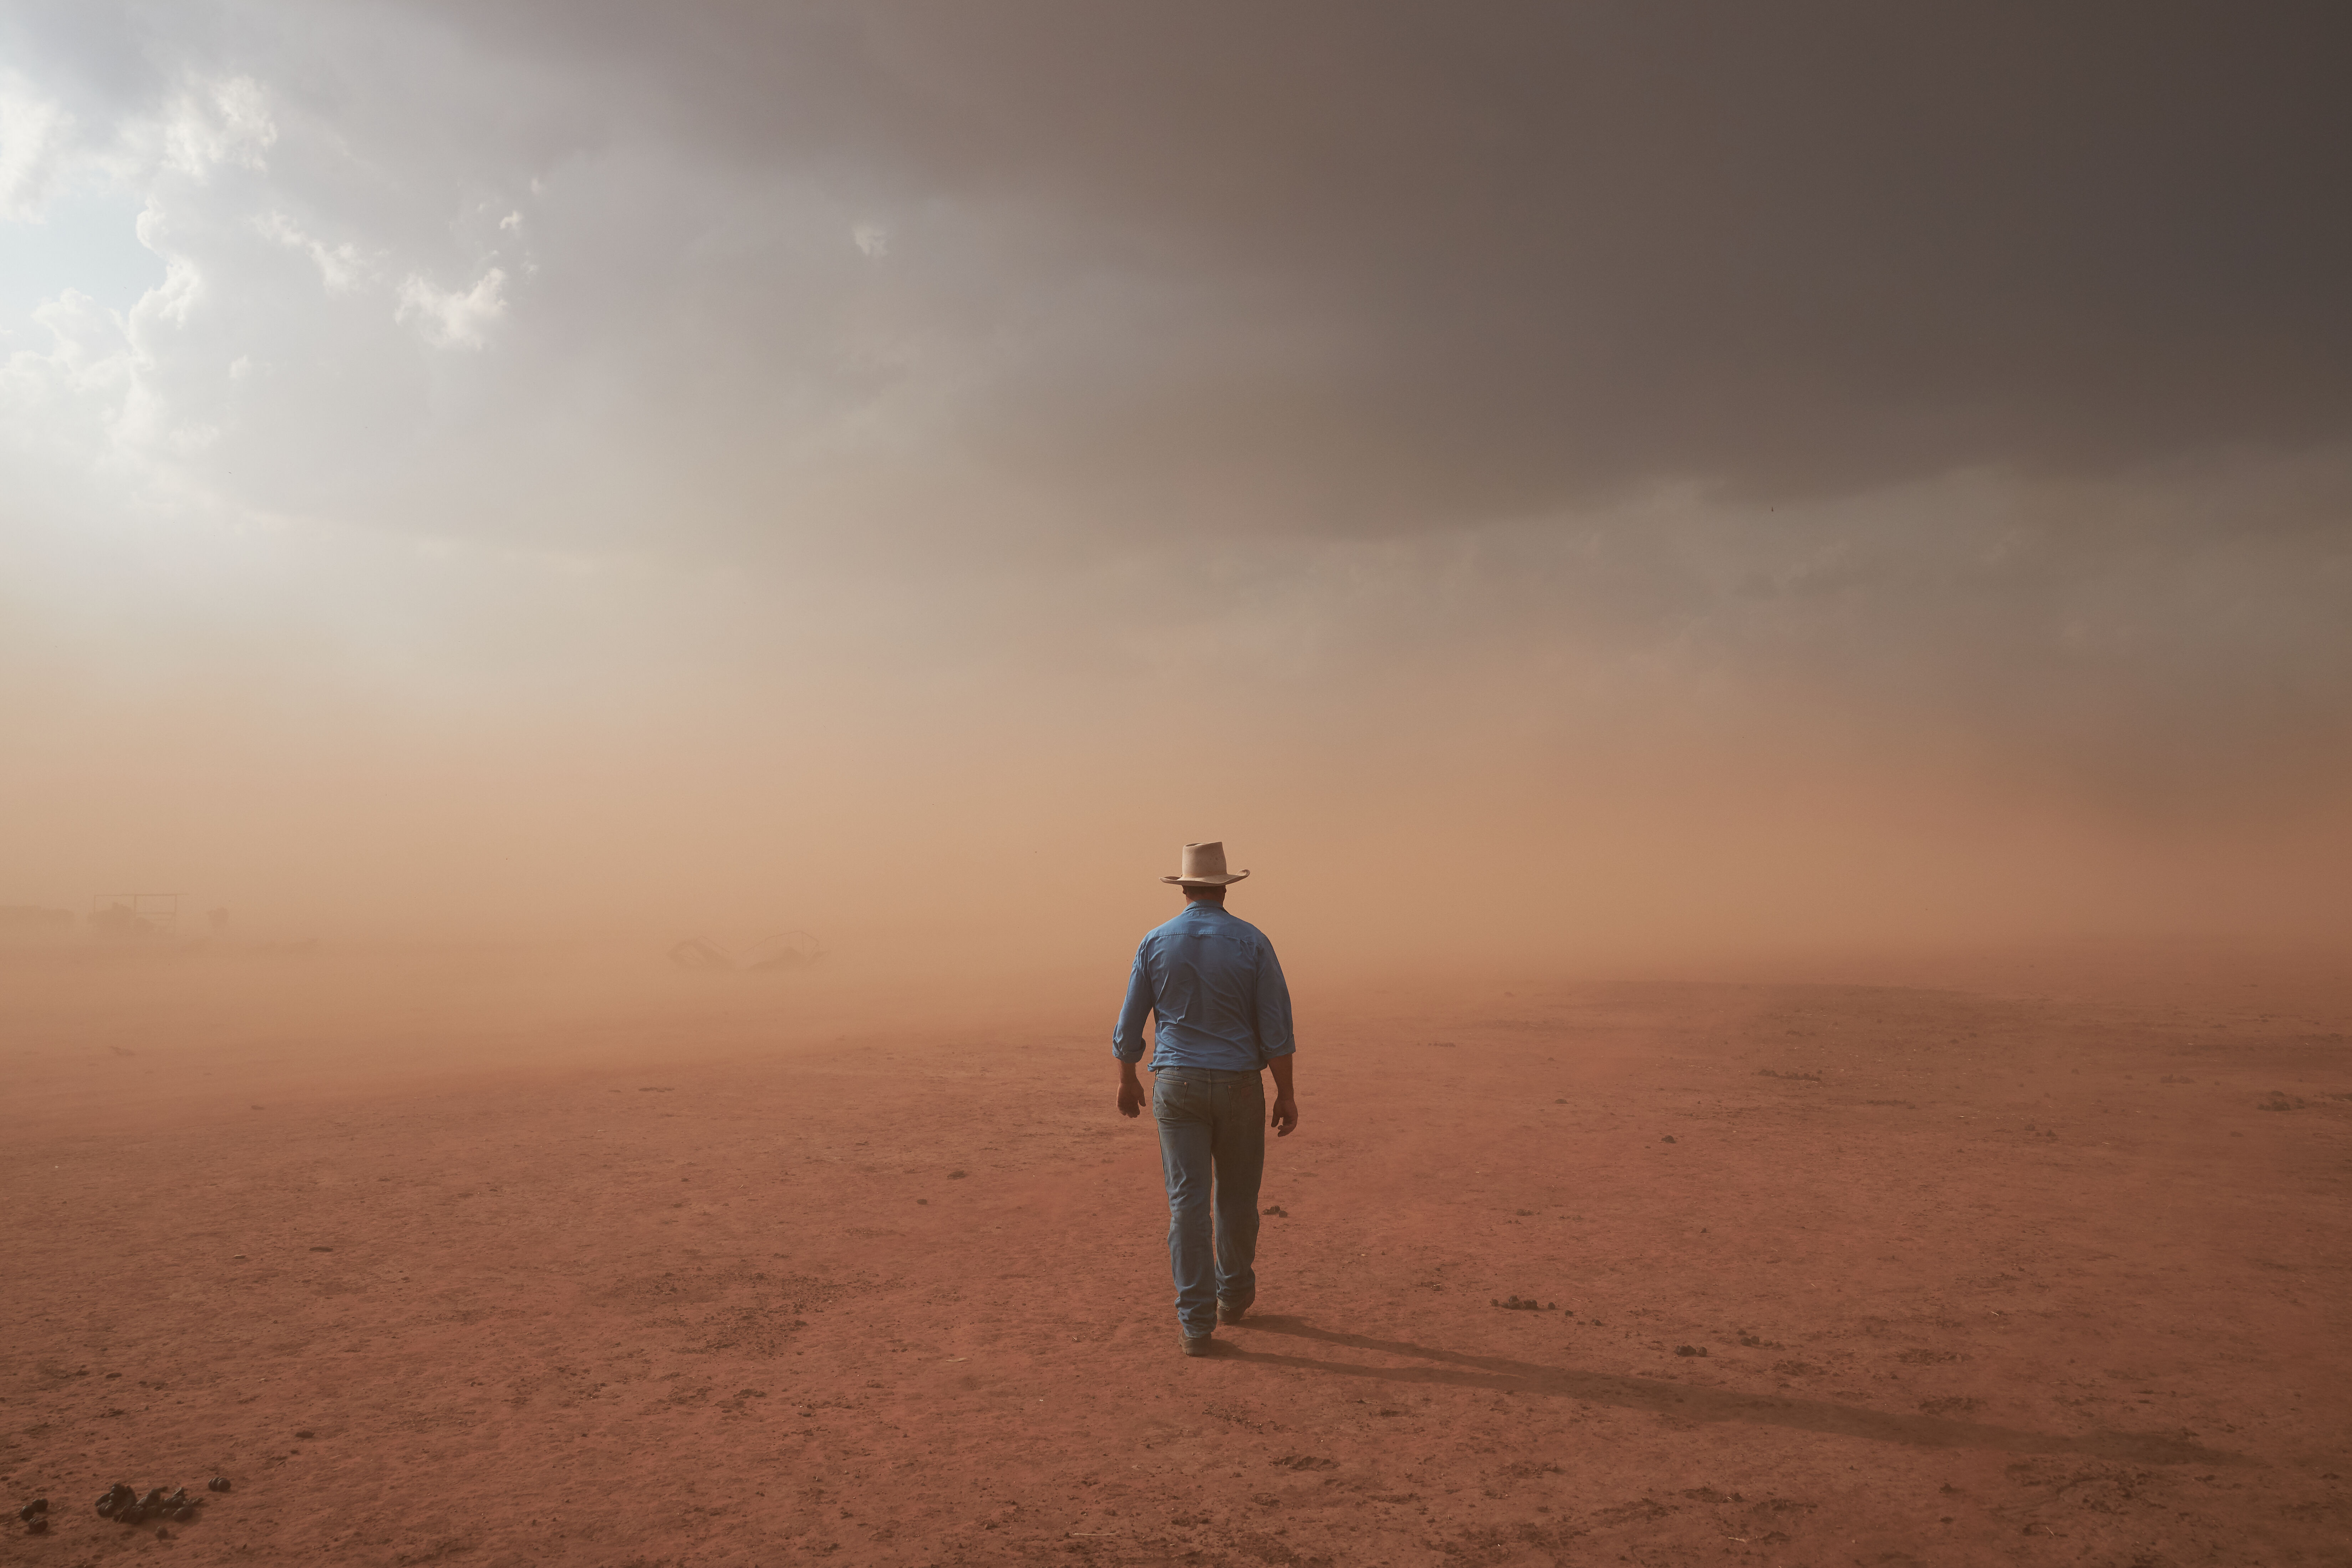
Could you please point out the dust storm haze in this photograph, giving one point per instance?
(1766, 593)
(1660, 486)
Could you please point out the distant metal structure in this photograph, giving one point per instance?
(133, 914)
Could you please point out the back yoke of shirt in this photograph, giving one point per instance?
(1217, 989)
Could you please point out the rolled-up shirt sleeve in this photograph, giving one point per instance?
(1274, 1036)
(1127, 1039)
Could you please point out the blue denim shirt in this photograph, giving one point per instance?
(1214, 981)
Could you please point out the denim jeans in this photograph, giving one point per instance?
(1211, 1139)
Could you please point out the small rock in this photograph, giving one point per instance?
(162, 1533)
(155, 1496)
(955, 1175)
(38, 1525)
(1690, 1350)
(217, 1484)
(39, 1504)
(1277, 1211)
(185, 1512)
(1667, 1138)
(304, 1437)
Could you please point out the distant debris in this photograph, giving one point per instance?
(785, 950)
(696, 953)
(133, 916)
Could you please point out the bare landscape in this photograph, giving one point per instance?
(495, 1258)
(615, 620)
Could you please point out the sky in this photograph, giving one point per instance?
(1542, 483)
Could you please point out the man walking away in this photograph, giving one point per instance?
(1224, 1013)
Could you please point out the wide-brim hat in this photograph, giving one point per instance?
(1205, 866)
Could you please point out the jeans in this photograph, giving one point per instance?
(1211, 1123)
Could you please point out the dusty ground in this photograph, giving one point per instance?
(438, 1269)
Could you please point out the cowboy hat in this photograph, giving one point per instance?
(1205, 866)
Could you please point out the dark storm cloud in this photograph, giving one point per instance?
(1430, 263)
(950, 296)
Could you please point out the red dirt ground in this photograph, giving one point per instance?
(713, 1272)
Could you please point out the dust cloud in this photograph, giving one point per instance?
(1767, 599)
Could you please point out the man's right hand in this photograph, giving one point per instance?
(1132, 1097)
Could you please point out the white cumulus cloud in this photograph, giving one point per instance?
(342, 268)
(222, 122)
(451, 319)
(32, 136)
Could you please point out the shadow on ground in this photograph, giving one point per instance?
(1686, 1403)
